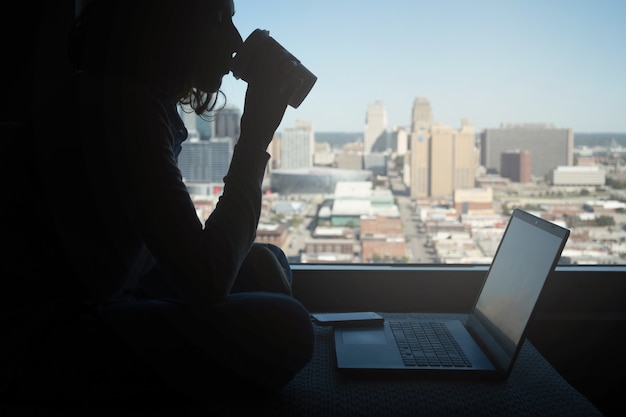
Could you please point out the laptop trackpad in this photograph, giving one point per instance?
(364, 337)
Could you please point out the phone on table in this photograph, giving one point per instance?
(348, 319)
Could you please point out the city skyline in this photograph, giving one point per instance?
(494, 63)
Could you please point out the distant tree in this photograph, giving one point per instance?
(605, 221)
(611, 182)
(532, 207)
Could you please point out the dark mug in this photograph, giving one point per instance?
(261, 46)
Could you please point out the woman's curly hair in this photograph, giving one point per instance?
(149, 41)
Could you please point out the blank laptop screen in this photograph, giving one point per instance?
(524, 259)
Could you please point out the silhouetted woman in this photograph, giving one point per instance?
(120, 287)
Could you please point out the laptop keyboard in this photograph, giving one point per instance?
(428, 344)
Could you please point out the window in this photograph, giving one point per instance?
(430, 121)
(515, 63)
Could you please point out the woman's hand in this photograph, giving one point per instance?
(269, 88)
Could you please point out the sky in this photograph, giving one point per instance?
(493, 62)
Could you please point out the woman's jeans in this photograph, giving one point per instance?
(255, 339)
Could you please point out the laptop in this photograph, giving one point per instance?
(489, 341)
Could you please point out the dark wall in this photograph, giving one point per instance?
(33, 37)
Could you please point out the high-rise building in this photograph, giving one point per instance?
(516, 165)
(297, 146)
(422, 114)
(399, 140)
(375, 135)
(227, 123)
(419, 167)
(205, 128)
(417, 161)
(465, 160)
(549, 146)
(206, 160)
(442, 160)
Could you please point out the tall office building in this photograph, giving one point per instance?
(516, 165)
(206, 160)
(375, 135)
(205, 128)
(549, 146)
(465, 156)
(417, 161)
(419, 167)
(399, 140)
(297, 146)
(442, 160)
(227, 123)
(422, 114)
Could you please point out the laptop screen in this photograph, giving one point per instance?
(527, 254)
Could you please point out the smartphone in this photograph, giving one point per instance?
(349, 319)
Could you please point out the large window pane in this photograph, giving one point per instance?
(430, 121)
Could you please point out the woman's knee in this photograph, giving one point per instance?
(265, 268)
(281, 257)
(280, 319)
(290, 332)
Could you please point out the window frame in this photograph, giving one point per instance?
(572, 291)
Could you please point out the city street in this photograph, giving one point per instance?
(416, 238)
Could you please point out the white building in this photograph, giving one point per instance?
(578, 175)
(297, 146)
(375, 137)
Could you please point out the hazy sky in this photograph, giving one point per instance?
(493, 62)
